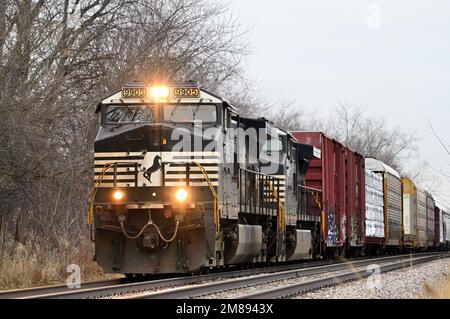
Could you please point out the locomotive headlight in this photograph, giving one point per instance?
(118, 195)
(181, 195)
(159, 92)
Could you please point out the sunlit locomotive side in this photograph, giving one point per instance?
(174, 193)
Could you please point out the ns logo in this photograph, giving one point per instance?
(156, 166)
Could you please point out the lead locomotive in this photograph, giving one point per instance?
(182, 182)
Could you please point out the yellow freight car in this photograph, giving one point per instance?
(409, 213)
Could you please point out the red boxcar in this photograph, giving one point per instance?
(340, 174)
(356, 198)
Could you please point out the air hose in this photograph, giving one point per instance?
(150, 223)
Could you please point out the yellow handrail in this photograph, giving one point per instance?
(281, 209)
(316, 198)
(216, 197)
(90, 209)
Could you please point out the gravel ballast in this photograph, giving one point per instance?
(407, 283)
(232, 293)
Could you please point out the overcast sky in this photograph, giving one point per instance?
(391, 57)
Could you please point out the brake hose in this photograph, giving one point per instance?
(150, 223)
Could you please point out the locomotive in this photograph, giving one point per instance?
(183, 183)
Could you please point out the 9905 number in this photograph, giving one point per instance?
(134, 92)
(186, 92)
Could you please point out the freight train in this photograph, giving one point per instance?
(183, 182)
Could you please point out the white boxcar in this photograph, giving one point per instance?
(374, 205)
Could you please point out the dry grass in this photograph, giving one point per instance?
(438, 290)
(30, 265)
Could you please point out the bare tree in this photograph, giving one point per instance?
(442, 174)
(370, 136)
(58, 58)
(178, 40)
(443, 143)
(286, 114)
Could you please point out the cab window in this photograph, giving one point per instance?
(128, 114)
(182, 113)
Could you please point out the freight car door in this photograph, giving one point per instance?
(393, 209)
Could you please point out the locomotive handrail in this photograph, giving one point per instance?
(281, 209)
(316, 198)
(259, 173)
(310, 188)
(91, 198)
(216, 197)
(267, 181)
(315, 195)
(98, 182)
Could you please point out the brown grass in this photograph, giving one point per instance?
(30, 265)
(438, 290)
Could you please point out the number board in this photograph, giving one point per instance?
(134, 92)
(186, 92)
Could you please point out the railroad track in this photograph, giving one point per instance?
(62, 288)
(149, 289)
(56, 289)
(239, 283)
(119, 286)
(295, 289)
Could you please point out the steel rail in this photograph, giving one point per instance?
(56, 290)
(63, 288)
(295, 289)
(214, 287)
(53, 289)
(117, 287)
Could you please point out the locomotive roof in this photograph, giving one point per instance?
(205, 96)
(262, 122)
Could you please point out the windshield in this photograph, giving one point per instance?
(190, 113)
(174, 113)
(122, 114)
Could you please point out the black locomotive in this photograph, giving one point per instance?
(182, 182)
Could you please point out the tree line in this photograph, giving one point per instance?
(58, 58)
